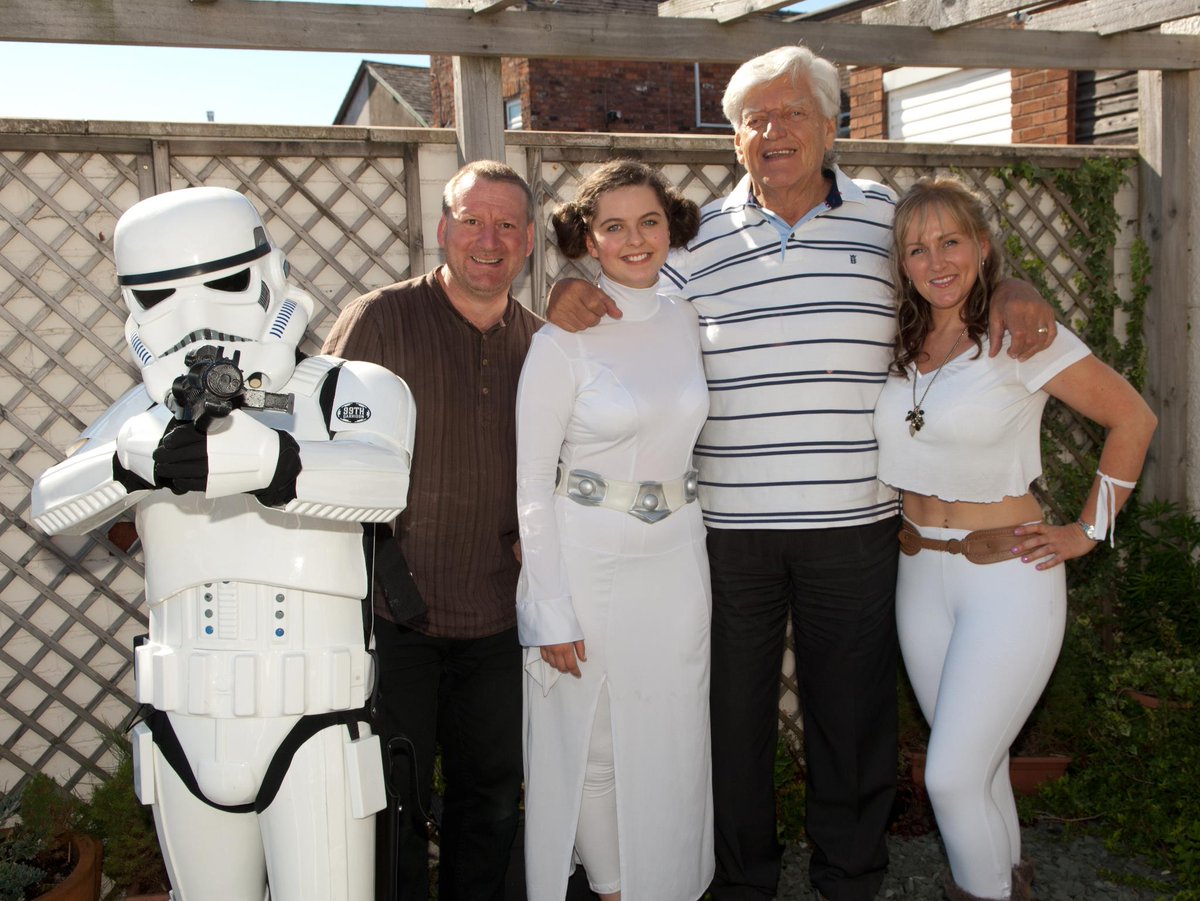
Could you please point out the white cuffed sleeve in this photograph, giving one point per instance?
(545, 399)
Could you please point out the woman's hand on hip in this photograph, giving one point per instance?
(1049, 545)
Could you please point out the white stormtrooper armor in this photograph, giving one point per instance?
(256, 755)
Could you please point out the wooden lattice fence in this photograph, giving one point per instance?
(352, 208)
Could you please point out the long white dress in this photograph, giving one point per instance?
(625, 400)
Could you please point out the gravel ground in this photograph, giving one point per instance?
(1066, 870)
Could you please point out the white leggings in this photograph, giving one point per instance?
(596, 832)
(979, 644)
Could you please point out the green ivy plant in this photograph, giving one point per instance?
(1071, 444)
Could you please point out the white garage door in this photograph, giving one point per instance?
(951, 106)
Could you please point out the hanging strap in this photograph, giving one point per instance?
(306, 727)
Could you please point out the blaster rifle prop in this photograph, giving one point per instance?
(214, 386)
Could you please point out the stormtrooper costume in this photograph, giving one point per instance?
(254, 752)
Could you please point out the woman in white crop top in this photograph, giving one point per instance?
(613, 604)
(981, 597)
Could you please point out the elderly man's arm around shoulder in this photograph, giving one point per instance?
(575, 305)
(1018, 309)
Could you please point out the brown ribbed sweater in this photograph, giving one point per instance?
(460, 525)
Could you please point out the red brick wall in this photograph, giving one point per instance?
(577, 95)
(1043, 106)
(441, 86)
(514, 83)
(868, 107)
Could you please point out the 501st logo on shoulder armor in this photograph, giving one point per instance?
(353, 412)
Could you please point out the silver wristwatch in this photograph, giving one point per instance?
(1088, 529)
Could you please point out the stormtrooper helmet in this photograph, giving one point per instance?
(196, 266)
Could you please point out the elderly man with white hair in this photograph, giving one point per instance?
(789, 275)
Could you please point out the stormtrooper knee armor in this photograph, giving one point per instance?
(255, 754)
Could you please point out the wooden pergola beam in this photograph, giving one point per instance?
(478, 109)
(938, 15)
(475, 6)
(478, 100)
(721, 11)
(246, 24)
(1170, 200)
(1106, 17)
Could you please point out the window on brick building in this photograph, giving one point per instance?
(512, 114)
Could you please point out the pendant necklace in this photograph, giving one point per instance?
(916, 416)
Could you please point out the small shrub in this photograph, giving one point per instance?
(17, 851)
(789, 793)
(1138, 630)
(1138, 782)
(132, 860)
(35, 849)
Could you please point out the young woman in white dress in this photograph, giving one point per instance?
(981, 597)
(613, 602)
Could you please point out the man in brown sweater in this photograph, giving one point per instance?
(452, 676)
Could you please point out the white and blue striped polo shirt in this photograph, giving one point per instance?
(797, 325)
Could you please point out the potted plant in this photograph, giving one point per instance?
(45, 853)
(52, 829)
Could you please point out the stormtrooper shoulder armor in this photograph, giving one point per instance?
(371, 400)
(81, 492)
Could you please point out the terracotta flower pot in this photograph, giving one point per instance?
(83, 882)
(1027, 774)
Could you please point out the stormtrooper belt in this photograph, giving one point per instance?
(647, 501)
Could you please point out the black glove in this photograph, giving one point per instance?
(181, 459)
(181, 464)
(130, 479)
(283, 484)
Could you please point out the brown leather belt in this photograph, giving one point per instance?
(981, 546)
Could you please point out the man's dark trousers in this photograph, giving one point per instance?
(463, 695)
(839, 587)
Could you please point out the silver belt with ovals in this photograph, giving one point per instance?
(648, 501)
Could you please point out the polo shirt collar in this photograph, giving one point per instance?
(843, 190)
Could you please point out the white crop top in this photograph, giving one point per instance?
(981, 440)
